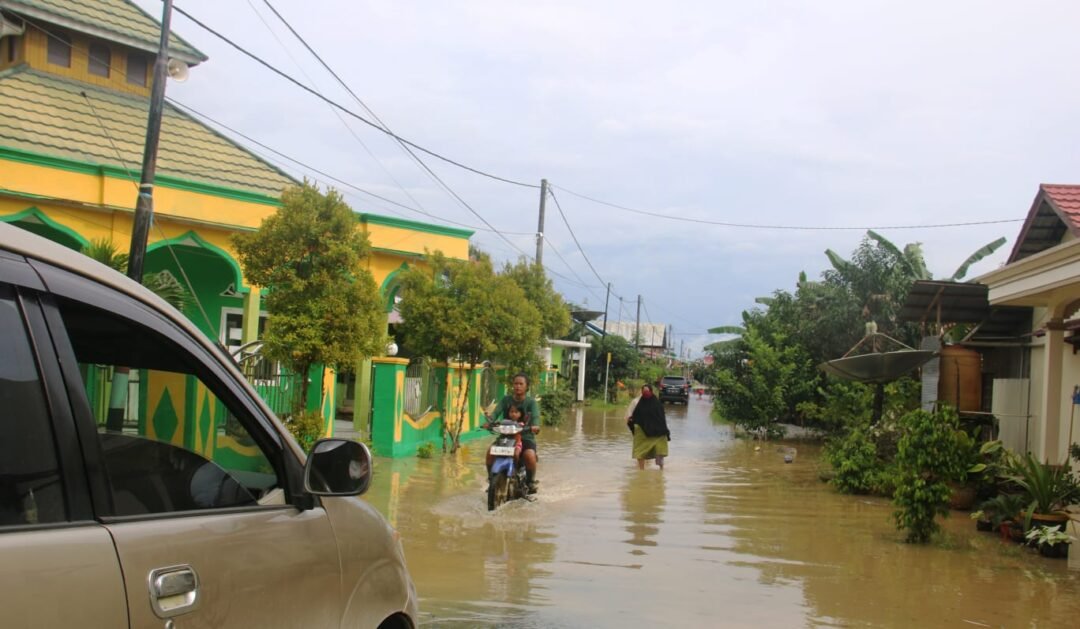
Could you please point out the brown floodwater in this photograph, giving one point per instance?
(728, 535)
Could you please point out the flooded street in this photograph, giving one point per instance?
(728, 535)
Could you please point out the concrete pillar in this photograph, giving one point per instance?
(581, 371)
(388, 404)
(1052, 392)
(250, 326)
(362, 397)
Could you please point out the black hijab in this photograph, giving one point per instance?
(649, 414)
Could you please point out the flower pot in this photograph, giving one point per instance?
(1057, 551)
(1054, 520)
(1013, 531)
(962, 497)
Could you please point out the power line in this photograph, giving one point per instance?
(574, 236)
(337, 114)
(704, 221)
(196, 113)
(346, 110)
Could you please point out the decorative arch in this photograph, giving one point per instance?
(390, 286)
(33, 220)
(192, 239)
(211, 275)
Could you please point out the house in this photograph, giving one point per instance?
(1015, 364)
(75, 82)
(653, 339)
(1042, 273)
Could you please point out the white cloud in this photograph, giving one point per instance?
(844, 113)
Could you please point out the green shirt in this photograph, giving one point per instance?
(528, 406)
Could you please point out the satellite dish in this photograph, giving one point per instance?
(178, 70)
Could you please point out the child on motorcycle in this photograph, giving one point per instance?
(530, 418)
(514, 414)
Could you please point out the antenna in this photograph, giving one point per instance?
(10, 28)
(177, 70)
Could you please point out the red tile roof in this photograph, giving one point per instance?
(1066, 198)
(1055, 212)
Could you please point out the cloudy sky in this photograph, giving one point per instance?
(834, 115)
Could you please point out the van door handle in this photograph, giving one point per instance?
(173, 590)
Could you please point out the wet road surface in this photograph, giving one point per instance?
(728, 535)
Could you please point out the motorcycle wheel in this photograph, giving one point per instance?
(498, 491)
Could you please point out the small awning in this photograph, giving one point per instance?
(935, 301)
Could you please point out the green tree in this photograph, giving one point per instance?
(624, 362)
(539, 290)
(928, 458)
(757, 388)
(463, 311)
(324, 305)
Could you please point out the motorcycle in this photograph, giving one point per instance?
(506, 481)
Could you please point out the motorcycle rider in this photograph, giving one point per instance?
(519, 397)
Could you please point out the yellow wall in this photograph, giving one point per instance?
(413, 241)
(102, 206)
(102, 190)
(33, 50)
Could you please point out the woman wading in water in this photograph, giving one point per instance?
(647, 421)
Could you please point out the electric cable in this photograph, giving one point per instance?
(780, 227)
(344, 109)
(574, 236)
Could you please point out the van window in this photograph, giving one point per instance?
(170, 440)
(30, 487)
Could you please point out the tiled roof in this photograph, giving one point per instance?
(49, 115)
(116, 20)
(1067, 200)
(1055, 212)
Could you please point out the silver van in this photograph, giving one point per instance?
(144, 483)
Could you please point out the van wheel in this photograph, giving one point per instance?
(498, 491)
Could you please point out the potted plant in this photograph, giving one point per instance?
(1047, 488)
(1050, 541)
(981, 467)
(982, 521)
(1003, 511)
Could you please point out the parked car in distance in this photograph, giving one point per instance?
(675, 389)
(144, 482)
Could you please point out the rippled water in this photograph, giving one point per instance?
(728, 535)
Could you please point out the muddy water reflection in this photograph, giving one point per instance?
(727, 535)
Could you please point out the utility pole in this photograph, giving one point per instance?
(540, 225)
(144, 205)
(637, 326)
(603, 333)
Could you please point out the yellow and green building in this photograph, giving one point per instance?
(75, 79)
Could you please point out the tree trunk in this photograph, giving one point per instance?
(300, 405)
(455, 433)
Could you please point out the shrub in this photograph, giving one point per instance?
(862, 459)
(306, 427)
(425, 450)
(928, 457)
(555, 402)
(854, 458)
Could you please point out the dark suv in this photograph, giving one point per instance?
(675, 389)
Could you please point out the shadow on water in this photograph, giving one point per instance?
(727, 535)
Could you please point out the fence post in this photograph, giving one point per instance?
(388, 404)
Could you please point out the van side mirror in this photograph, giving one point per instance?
(337, 467)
